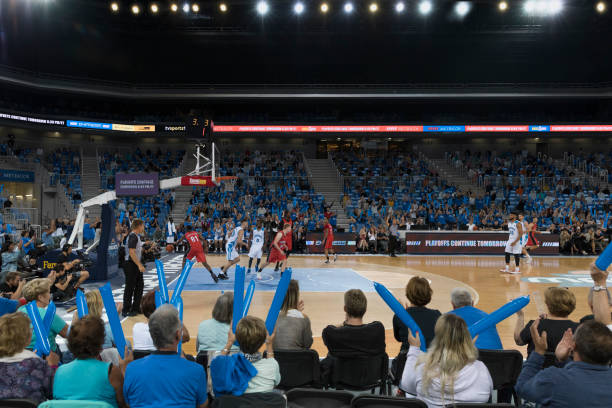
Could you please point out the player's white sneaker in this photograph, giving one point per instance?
(505, 270)
(515, 272)
(258, 275)
(335, 257)
(529, 260)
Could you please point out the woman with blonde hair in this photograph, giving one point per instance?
(22, 373)
(450, 371)
(293, 331)
(560, 302)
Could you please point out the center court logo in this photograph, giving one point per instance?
(571, 279)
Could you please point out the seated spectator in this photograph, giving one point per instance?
(10, 256)
(589, 300)
(600, 302)
(23, 375)
(164, 378)
(248, 371)
(383, 240)
(212, 333)
(95, 307)
(12, 286)
(352, 338)
(418, 292)
(293, 331)
(86, 377)
(560, 302)
(463, 306)
(39, 290)
(583, 382)
(140, 331)
(450, 371)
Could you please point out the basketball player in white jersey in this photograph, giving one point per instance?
(513, 246)
(257, 244)
(234, 242)
(524, 237)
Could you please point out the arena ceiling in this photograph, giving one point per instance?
(81, 45)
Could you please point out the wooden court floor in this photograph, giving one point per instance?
(480, 274)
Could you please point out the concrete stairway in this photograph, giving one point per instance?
(90, 181)
(323, 177)
(453, 176)
(183, 193)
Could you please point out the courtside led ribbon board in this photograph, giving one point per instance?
(161, 277)
(401, 313)
(49, 315)
(277, 301)
(246, 304)
(81, 303)
(605, 258)
(113, 318)
(238, 296)
(497, 316)
(43, 347)
(181, 282)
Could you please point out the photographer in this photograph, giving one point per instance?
(63, 284)
(133, 269)
(74, 267)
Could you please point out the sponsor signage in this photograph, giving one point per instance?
(468, 243)
(31, 119)
(344, 242)
(410, 128)
(110, 126)
(136, 184)
(20, 176)
(205, 181)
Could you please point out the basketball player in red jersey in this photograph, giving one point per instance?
(288, 240)
(278, 249)
(196, 250)
(328, 240)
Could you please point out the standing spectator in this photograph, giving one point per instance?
(583, 382)
(293, 331)
(164, 379)
(393, 237)
(463, 306)
(103, 381)
(450, 371)
(23, 375)
(418, 293)
(560, 303)
(133, 269)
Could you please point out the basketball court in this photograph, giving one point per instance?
(322, 287)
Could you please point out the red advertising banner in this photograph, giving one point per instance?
(581, 128)
(203, 181)
(472, 243)
(322, 129)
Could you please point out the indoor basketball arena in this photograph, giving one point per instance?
(305, 203)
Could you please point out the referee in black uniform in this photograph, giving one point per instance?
(133, 268)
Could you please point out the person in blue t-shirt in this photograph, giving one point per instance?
(164, 378)
(463, 306)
